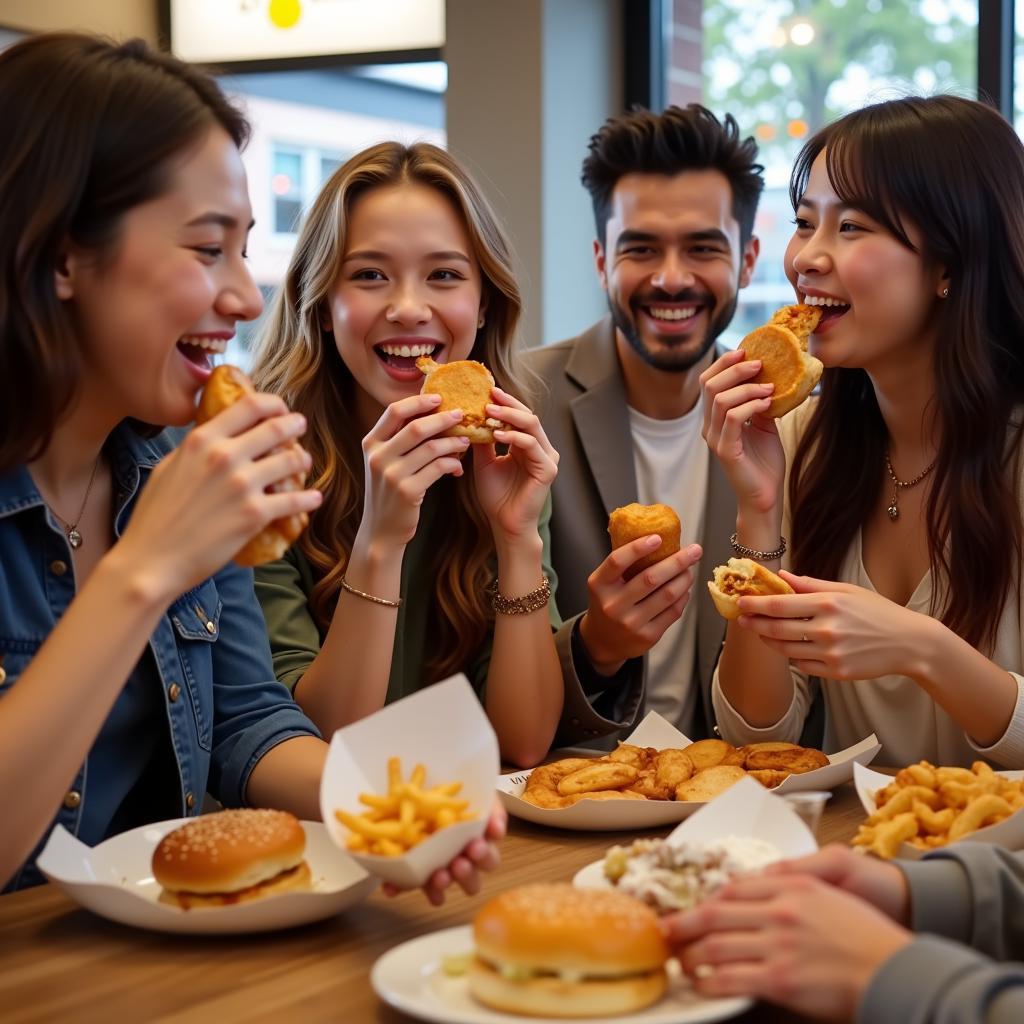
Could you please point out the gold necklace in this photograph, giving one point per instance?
(71, 529)
(899, 485)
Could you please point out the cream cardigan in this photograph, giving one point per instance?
(908, 723)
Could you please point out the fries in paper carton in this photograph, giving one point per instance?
(620, 815)
(438, 810)
(1008, 833)
(746, 810)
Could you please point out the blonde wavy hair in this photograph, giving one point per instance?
(298, 360)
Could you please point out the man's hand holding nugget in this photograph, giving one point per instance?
(634, 599)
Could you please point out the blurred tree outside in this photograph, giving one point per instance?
(784, 68)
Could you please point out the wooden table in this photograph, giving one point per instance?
(59, 962)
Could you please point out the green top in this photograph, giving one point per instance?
(283, 588)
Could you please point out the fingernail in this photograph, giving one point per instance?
(455, 414)
(756, 363)
(435, 398)
(654, 541)
(464, 440)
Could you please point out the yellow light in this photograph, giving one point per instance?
(779, 38)
(801, 33)
(765, 132)
(797, 128)
(285, 13)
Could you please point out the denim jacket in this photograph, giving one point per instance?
(207, 677)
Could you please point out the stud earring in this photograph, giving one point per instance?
(945, 293)
(480, 322)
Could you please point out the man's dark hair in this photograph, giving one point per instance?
(680, 139)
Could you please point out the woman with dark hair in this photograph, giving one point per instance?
(134, 668)
(903, 501)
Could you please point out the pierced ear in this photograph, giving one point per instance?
(323, 317)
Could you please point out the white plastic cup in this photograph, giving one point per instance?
(808, 805)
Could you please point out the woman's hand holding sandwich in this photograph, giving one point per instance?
(839, 631)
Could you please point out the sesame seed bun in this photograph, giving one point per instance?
(557, 951)
(742, 577)
(231, 857)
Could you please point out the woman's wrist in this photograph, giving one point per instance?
(759, 530)
(514, 551)
(143, 583)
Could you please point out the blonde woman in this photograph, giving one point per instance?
(390, 588)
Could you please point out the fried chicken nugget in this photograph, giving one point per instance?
(768, 777)
(462, 384)
(710, 753)
(630, 522)
(709, 783)
(800, 319)
(798, 761)
(629, 753)
(672, 767)
(542, 786)
(604, 794)
(598, 775)
(647, 787)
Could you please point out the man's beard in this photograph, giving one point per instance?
(681, 357)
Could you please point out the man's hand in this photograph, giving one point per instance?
(625, 619)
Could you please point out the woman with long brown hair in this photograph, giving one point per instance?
(903, 502)
(426, 558)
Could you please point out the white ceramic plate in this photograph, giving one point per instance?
(409, 978)
(114, 880)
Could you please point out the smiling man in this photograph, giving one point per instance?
(674, 198)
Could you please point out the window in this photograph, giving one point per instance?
(785, 68)
(295, 181)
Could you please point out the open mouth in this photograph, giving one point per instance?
(404, 356)
(199, 349)
(831, 309)
(674, 317)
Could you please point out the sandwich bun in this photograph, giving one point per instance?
(226, 385)
(781, 346)
(463, 384)
(231, 857)
(630, 522)
(742, 577)
(551, 950)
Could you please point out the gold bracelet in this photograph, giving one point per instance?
(345, 585)
(531, 602)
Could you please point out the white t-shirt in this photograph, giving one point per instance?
(671, 462)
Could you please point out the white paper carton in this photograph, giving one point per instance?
(1008, 833)
(746, 809)
(442, 727)
(623, 815)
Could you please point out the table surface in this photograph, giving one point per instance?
(60, 962)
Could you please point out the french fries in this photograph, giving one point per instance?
(929, 807)
(406, 815)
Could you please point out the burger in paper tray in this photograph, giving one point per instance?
(402, 799)
(742, 831)
(658, 777)
(925, 807)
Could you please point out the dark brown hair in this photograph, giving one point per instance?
(954, 169)
(679, 139)
(90, 129)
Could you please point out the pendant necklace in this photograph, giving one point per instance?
(71, 529)
(899, 485)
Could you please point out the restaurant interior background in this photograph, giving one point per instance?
(515, 89)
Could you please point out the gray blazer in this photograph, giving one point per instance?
(585, 415)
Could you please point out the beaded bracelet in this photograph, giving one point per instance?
(387, 602)
(531, 602)
(762, 556)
